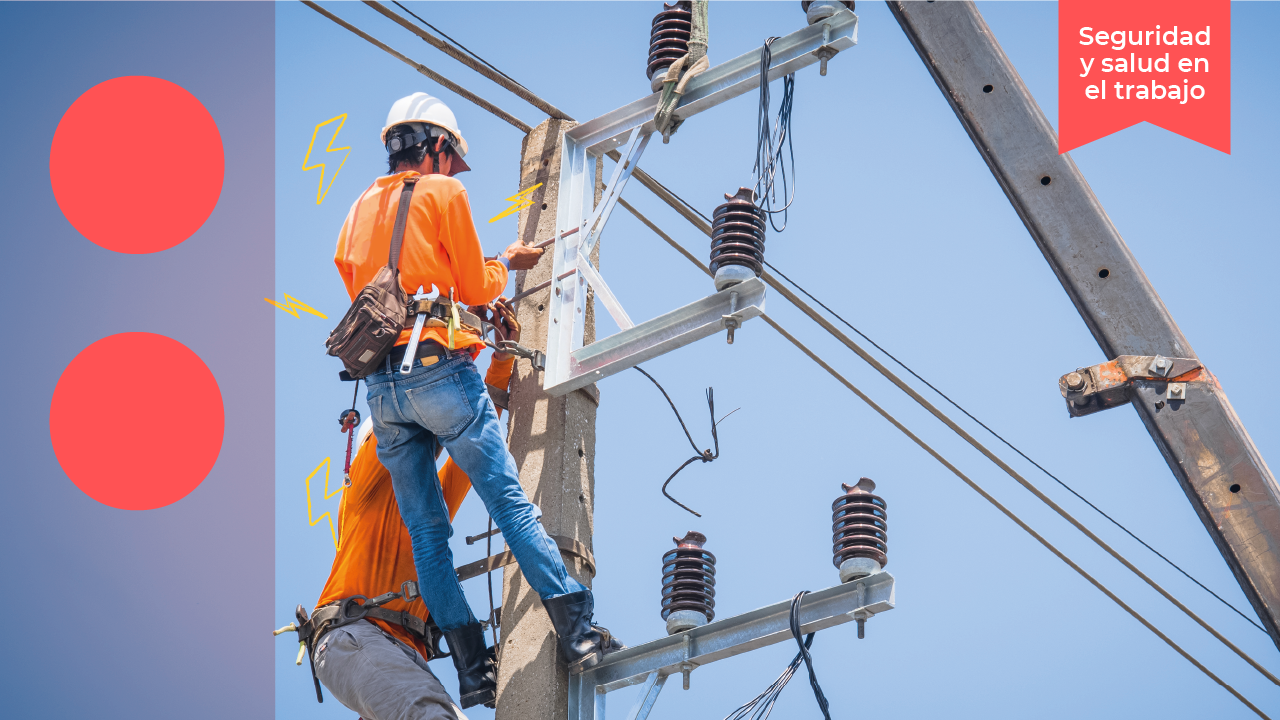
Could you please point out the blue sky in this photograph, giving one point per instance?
(899, 226)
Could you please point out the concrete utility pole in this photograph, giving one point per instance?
(553, 440)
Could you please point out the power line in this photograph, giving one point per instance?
(695, 216)
(1014, 448)
(699, 221)
(460, 46)
(903, 386)
(478, 64)
(446, 82)
(968, 481)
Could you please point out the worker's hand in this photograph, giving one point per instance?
(522, 257)
(505, 314)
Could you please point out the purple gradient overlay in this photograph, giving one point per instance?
(161, 613)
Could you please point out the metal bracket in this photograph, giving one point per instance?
(659, 336)
(652, 663)
(1093, 389)
(580, 222)
(721, 83)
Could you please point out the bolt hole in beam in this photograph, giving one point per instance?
(1103, 273)
(987, 88)
(1046, 180)
(1235, 488)
(544, 206)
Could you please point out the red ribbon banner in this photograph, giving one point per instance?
(1168, 63)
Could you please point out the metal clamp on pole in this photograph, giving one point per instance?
(1092, 389)
(537, 359)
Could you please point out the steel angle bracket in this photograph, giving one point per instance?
(653, 662)
(580, 221)
(680, 327)
(806, 46)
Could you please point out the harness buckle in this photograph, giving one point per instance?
(409, 590)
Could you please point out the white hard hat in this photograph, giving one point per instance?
(423, 108)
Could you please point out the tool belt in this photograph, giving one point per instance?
(348, 610)
(438, 314)
(426, 349)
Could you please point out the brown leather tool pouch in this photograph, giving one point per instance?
(371, 327)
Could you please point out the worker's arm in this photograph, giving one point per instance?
(479, 280)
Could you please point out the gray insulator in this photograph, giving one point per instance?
(682, 620)
(820, 10)
(730, 275)
(857, 567)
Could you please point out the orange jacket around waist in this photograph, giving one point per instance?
(375, 554)
(440, 247)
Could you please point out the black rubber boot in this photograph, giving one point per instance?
(582, 644)
(477, 669)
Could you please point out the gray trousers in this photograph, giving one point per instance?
(380, 677)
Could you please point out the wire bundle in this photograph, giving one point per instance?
(769, 167)
(759, 707)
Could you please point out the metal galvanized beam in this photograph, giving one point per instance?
(1206, 446)
(722, 83)
(722, 639)
(660, 335)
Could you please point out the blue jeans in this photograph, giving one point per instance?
(447, 403)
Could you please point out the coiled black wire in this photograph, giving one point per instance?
(769, 167)
(703, 455)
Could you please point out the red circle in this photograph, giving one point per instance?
(136, 164)
(130, 444)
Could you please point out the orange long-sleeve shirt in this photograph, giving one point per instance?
(375, 554)
(440, 247)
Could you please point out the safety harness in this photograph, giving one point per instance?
(353, 609)
(443, 312)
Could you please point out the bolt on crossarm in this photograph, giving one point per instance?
(1192, 422)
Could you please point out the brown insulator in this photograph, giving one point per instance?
(688, 581)
(737, 233)
(859, 530)
(669, 36)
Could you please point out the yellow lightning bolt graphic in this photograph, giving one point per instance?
(321, 191)
(519, 202)
(327, 495)
(292, 305)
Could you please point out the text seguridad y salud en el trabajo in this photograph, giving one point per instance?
(1118, 40)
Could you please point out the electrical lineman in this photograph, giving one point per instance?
(374, 661)
(438, 397)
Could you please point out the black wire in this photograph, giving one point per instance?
(984, 426)
(769, 166)
(784, 126)
(1011, 446)
(759, 707)
(703, 455)
(460, 45)
(488, 576)
(804, 653)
